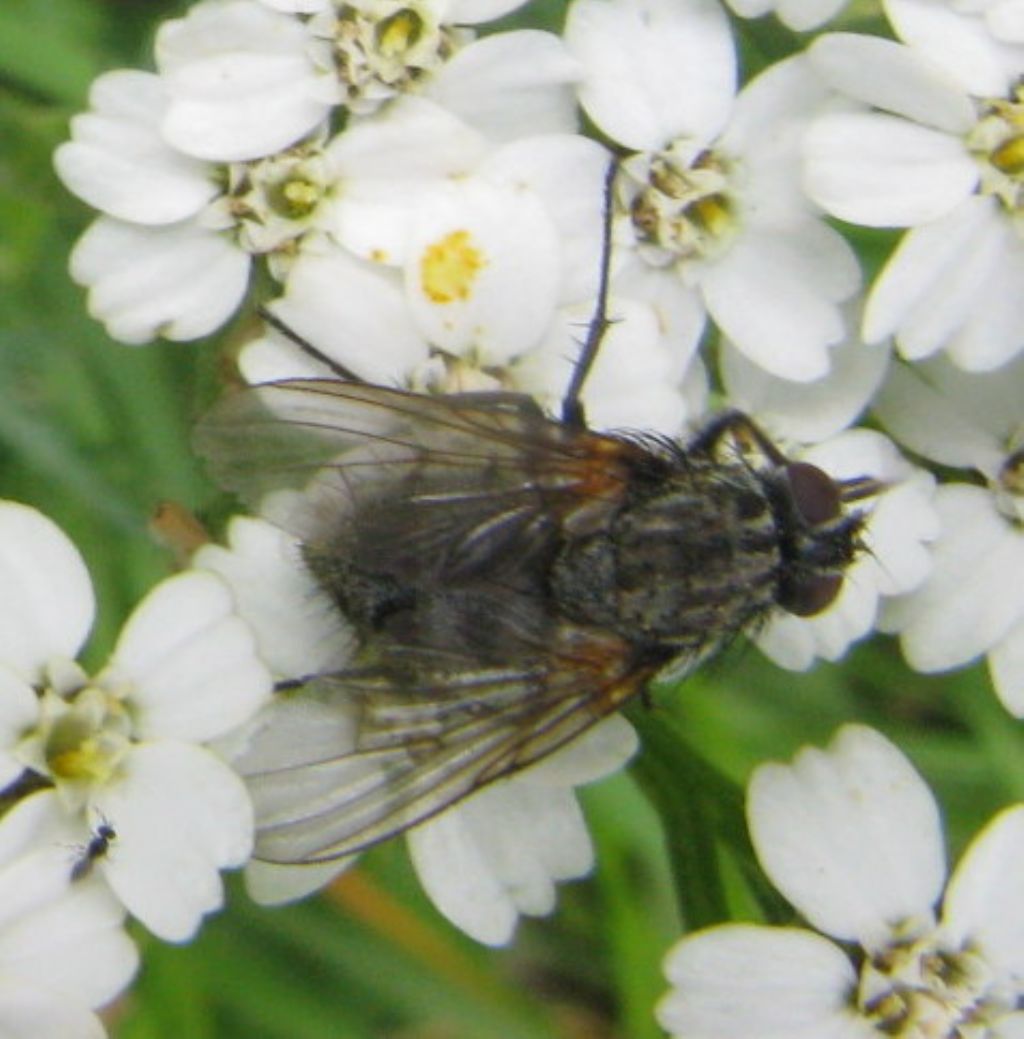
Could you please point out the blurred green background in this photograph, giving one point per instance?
(96, 434)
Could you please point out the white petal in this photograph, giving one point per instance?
(765, 135)
(973, 598)
(803, 15)
(604, 749)
(383, 163)
(951, 417)
(882, 171)
(298, 629)
(932, 282)
(191, 661)
(272, 357)
(812, 411)
(984, 904)
(39, 1012)
(239, 80)
(473, 12)
(1006, 667)
(679, 309)
(484, 269)
(273, 884)
(19, 713)
(567, 173)
(454, 872)
(1009, 1026)
(499, 854)
(355, 313)
(851, 835)
(180, 282)
(960, 42)
(993, 330)
(47, 606)
(654, 70)
(118, 162)
(69, 935)
(745, 982)
(892, 77)
(773, 295)
(181, 815)
(633, 384)
(509, 85)
(74, 946)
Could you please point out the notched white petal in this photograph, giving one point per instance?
(745, 982)
(190, 660)
(47, 606)
(180, 281)
(850, 835)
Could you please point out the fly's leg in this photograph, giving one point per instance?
(572, 407)
(307, 347)
(742, 431)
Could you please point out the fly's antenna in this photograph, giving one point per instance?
(572, 407)
(307, 347)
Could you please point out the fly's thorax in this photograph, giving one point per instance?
(687, 565)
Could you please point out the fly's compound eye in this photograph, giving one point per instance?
(822, 550)
(815, 494)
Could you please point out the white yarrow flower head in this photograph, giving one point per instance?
(247, 78)
(63, 949)
(852, 837)
(124, 749)
(172, 253)
(933, 148)
(474, 270)
(485, 861)
(709, 201)
(973, 603)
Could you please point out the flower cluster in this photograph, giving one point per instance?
(118, 800)
(407, 192)
(852, 837)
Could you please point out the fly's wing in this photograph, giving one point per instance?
(348, 760)
(446, 482)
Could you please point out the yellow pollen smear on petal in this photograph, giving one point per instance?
(450, 267)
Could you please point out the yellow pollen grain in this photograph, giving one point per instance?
(450, 267)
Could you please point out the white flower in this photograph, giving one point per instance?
(973, 603)
(125, 746)
(476, 270)
(484, 861)
(711, 200)
(172, 254)
(63, 950)
(498, 854)
(927, 149)
(900, 522)
(852, 837)
(248, 79)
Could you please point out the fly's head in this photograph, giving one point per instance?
(819, 536)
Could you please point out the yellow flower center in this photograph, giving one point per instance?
(680, 204)
(997, 142)
(918, 989)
